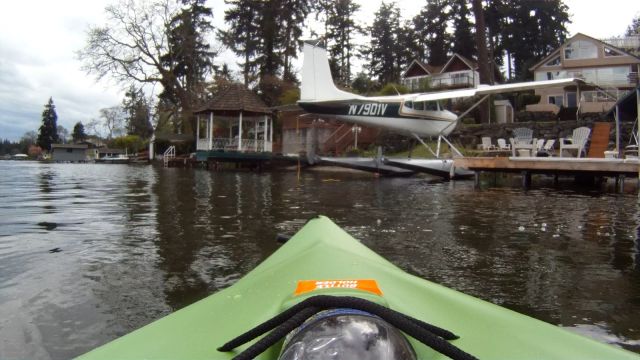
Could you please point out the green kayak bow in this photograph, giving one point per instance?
(323, 263)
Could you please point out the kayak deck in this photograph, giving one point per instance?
(321, 251)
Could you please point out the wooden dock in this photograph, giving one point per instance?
(557, 166)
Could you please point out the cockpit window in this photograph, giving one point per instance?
(431, 105)
(424, 105)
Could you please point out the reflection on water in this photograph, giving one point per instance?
(90, 252)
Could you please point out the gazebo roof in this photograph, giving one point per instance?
(233, 99)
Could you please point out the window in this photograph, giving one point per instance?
(550, 75)
(612, 75)
(572, 100)
(611, 52)
(431, 105)
(581, 49)
(554, 62)
(556, 99)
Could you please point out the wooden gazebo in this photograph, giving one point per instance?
(234, 120)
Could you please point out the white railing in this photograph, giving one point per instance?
(462, 78)
(628, 42)
(169, 154)
(202, 144)
(231, 144)
(252, 145)
(610, 95)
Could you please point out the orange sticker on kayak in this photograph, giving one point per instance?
(305, 286)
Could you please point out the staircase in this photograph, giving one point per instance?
(599, 139)
(338, 140)
(343, 138)
(169, 154)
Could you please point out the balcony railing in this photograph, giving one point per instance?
(449, 80)
(599, 96)
(628, 42)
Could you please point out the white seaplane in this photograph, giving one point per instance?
(418, 115)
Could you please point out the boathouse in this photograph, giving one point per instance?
(234, 126)
(69, 152)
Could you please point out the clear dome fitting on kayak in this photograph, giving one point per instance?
(346, 334)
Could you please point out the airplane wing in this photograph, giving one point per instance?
(496, 89)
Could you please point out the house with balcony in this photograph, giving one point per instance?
(609, 71)
(459, 72)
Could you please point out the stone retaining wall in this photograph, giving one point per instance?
(470, 135)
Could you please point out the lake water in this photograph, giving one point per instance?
(90, 252)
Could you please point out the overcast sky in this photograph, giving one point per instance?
(38, 41)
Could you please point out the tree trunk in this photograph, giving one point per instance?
(483, 57)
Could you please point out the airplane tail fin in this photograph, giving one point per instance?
(317, 83)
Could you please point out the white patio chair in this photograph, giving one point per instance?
(548, 146)
(545, 148)
(502, 144)
(577, 141)
(523, 135)
(486, 144)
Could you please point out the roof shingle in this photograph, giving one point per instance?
(235, 98)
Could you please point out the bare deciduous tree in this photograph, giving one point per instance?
(113, 120)
(130, 47)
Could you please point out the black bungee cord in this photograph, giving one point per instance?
(285, 322)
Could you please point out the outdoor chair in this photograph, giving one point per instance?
(577, 141)
(523, 135)
(486, 144)
(502, 144)
(547, 149)
(522, 142)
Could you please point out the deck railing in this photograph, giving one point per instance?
(169, 154)
(231, 144)
(203, 144)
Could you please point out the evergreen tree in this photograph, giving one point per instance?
(341, 30)
(78, 133)
(431, 28)
(534, 29)
(137, 112)
(293, 14)
(383, 54)
(48, 132)
(463, 40)
(497, 21)
(634, 27)
(189, 59)
(243, 35)
(269, 60)
(406, 44)
(483, 56)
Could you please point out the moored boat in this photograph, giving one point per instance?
(114, 159)
(321, 270)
